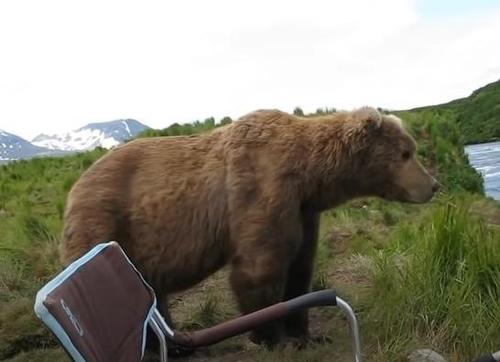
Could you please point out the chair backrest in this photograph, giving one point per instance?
(99, 306)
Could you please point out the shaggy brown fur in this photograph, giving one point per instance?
(248, 194)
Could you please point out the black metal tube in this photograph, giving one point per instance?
(236, 326)
(314, 299)
(248, 322)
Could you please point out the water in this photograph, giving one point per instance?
(486, 159)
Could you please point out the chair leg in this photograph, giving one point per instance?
(353, 324)
(162, 324)
(161, 337)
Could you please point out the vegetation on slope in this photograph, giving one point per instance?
(440, 145)
(187, 128)
(477, 115)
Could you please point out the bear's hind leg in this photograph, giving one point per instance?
(258, 281)
(300, 274)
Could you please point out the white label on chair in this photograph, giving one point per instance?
(72, 318)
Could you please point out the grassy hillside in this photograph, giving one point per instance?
(478, 115)
(418, 275)
(32, 199)
(186, 129)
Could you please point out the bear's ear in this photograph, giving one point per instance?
(366, 118)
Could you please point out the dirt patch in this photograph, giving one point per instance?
(338, 240)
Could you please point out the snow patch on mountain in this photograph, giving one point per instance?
(127, 128)
(105, 134)
(83, 139)
(14, 148)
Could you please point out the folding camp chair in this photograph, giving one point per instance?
(99, 308)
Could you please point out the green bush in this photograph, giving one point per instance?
(187, 128)
(441, 146)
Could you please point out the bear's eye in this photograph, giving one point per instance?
(406, 155)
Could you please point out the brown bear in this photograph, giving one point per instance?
(248, 194)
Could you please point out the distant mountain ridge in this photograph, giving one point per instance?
(105, 134)
(14, 148)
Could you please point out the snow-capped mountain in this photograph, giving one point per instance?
(105, 134)
(13, 148)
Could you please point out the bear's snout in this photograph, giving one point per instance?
(432, 190)
(417, 184)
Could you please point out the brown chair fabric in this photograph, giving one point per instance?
(104, 307)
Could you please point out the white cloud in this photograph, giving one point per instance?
(66, 63)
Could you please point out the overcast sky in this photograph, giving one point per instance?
(65, 63)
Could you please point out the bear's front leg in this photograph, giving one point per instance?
(300, 274)
(265, 234)
(258, 281)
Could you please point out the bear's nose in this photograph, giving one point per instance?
(436, 186)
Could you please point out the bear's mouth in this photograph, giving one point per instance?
(397, 194)
(407, 197)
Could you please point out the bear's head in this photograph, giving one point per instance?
(385, 159)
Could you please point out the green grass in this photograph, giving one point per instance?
(32, 198)
(438, 282)
(205, 312)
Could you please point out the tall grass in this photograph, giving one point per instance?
(32, 198)
(439, 282)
